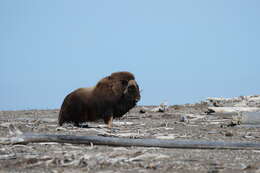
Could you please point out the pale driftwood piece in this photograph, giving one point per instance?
(149, 156)
(126, 142)
(252, 118)
(233, 109)
(235, 99)
(7, 156)
(47, 120)
(242, 101)
(224, 99)
(161, 108)
(13, 130)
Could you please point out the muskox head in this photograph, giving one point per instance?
(124, 84)
(131, 91)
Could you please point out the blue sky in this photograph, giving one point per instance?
(180, 51)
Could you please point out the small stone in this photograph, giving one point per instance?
(183, 118)
(229, 134)
(151, 166)
(161, 109)
(142, 111)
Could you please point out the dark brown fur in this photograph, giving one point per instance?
(113, 96)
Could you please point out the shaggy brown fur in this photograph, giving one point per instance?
(113, 96)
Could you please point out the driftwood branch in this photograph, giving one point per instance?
(127, 142)
(233, 109)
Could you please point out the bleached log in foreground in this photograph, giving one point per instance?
(127, 142)
(234, 109)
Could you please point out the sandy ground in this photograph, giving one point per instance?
(186, 122)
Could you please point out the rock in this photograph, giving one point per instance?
(183, 118)
(229, 134)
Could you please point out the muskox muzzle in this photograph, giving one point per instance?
(132, 91)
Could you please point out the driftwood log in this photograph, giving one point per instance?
(233, 109)
(128, 142)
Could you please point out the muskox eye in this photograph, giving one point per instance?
(131, 87)
(124, 82)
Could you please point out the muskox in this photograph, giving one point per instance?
(112, 97)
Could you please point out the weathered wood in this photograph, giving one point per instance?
(47, 120)
(218, 99)
(233, 109)
(242, 101)
(252, 118)
(127, 142)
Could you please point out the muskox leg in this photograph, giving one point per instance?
(108, 120)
